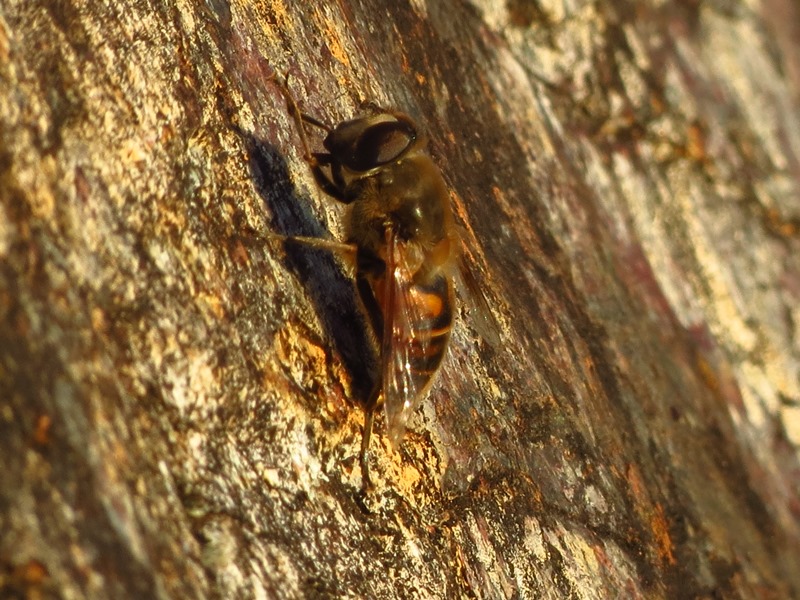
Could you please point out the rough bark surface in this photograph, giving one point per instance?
(180, 396)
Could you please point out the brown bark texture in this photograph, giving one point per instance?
(181, 395)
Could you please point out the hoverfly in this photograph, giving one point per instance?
(401, 234)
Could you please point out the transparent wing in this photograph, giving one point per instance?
(407, 342)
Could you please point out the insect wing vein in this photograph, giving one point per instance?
(403, 339)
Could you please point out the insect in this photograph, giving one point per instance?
(401, 235)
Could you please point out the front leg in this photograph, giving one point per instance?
(333, 185)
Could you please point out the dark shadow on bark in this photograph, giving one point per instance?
(331, 290)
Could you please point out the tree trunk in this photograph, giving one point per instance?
(181, 395)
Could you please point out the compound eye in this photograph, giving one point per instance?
(380, 144)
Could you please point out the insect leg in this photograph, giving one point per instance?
(369, 417)
(299, 118)
(347, 251)
(314, 121)
(370, 305)
(331, 185)
(366, 264)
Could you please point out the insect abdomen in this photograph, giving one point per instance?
(433, 307)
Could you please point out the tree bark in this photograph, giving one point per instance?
(181, 395)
